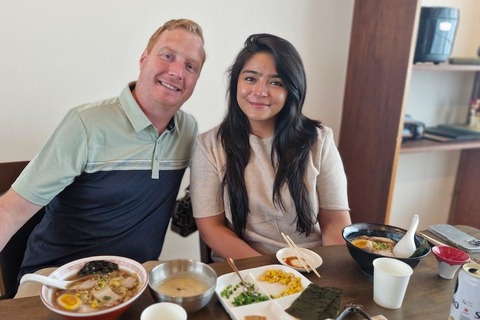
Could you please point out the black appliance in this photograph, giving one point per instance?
(436, 34)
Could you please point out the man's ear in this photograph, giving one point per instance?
(143, 57)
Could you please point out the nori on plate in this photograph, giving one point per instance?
(316, 303)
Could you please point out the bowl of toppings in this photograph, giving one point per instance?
(188, 283)
(368, 241)
(103, 287)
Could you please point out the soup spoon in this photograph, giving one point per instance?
(246, 287)
(55, 283)
(406, 246)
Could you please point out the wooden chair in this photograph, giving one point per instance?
(12, 255)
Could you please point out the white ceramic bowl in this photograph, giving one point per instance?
(70, 269)
(164, 311)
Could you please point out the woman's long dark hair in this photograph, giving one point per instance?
(294, 134)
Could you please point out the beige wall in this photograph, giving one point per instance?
(57, 54)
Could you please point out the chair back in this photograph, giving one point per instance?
(11, 256)
(9, 171)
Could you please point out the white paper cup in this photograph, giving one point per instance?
(390, 281)
(164, 311)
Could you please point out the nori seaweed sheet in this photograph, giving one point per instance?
(316, 303)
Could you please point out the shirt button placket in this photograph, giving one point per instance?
(156, 164)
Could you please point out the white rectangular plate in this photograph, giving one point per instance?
(273, 308)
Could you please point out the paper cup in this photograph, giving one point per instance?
(390, 281)
(164, 311)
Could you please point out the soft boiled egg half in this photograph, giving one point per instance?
(69, 301)
(364, 244)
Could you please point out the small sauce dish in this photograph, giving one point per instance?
(449, 259)
(287, 257)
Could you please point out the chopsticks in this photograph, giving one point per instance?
(432, 240)
(301, 257)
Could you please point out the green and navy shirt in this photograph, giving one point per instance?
(108, 182)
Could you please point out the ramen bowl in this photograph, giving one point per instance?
(179, 271)
(364, 258)
(69, 271)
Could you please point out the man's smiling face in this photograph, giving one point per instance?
(169, 72)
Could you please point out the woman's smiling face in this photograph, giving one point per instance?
(260, 93)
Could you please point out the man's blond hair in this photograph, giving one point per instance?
(186, 24)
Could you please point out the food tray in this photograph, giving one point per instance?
(273, 308)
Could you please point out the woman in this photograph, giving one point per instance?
(267, 168)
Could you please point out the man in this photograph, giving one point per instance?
(109, 175)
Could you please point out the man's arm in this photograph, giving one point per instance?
(14, 212)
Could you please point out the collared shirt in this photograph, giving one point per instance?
(108, 180)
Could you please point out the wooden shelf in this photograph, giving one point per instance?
(446, 67)
(425, 145)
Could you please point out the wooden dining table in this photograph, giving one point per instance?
(428, 296)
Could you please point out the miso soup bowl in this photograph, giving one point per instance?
(70, 270)
(183, 268)
(364, 259)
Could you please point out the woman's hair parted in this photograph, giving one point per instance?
(294, 135)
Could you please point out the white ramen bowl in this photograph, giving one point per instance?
(69, 270)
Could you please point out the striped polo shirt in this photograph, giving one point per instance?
(108, 181)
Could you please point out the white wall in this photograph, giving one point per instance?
(425, 181)
(58, 54)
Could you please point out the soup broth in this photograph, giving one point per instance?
(182, 287)
(98, 292)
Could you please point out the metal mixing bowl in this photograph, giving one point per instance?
(183, 269)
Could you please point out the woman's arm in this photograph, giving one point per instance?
(223, 240)
(332, 223)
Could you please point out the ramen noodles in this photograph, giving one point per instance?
(98, 292)
(379, 245)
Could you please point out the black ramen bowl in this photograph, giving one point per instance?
(364, 259)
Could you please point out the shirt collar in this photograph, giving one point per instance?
(134, 113)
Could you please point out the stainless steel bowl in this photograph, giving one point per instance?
(183, 269)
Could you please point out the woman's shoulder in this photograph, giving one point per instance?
(209, 138)
(324, 133)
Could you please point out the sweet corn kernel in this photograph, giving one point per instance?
(293, 284)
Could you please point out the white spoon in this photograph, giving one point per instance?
(55, 283)
(406, 246)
